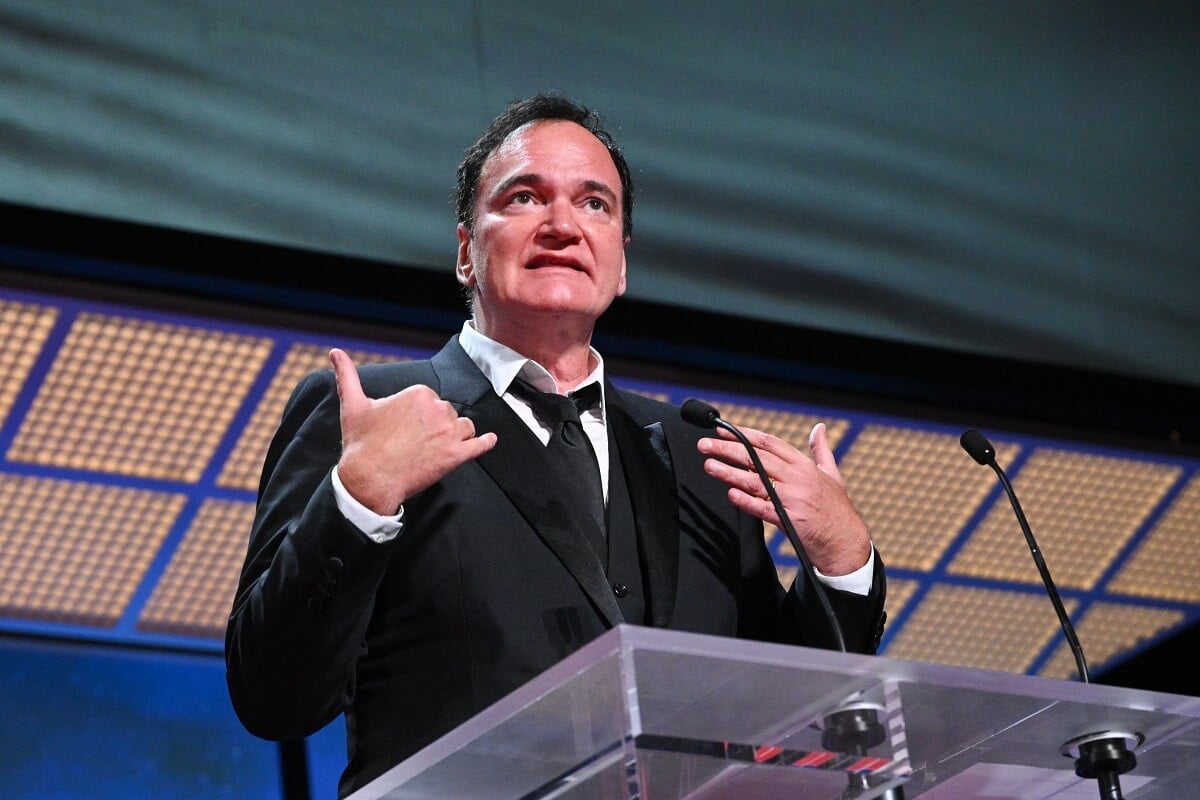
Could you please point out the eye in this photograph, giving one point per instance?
(596, 204)
(522, 198)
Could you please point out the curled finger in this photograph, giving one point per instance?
(466, 428)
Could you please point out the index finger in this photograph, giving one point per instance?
(767, 443)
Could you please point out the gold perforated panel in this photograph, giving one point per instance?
(244, 466)
(195, 593)
(138, 398)
(1106, 630)
(787, 425)
(899, 593)
(985, 628)
(1083, 509)
(1167, 563)
(916, 490)
(661, 396)
(76, 552)
(125, 397)
(23, 332)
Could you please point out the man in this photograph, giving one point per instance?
(416, 552)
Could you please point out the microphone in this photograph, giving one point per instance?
(980, 449)
(701, 414)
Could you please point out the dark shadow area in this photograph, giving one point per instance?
(1166, 667)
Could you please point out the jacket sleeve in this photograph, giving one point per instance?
(308, 582)
(860, 617)
(797, 615)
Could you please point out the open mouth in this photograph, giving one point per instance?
(555, 261)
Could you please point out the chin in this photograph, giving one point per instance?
(563, 302)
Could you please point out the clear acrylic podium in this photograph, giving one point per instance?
(658, 715)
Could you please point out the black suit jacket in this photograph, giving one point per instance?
(491, 580)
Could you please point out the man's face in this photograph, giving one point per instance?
(547, 236)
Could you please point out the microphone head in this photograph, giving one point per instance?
(978, 446)
(699, 413)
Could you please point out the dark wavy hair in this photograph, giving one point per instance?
(520, 113)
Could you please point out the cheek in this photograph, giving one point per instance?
(497, 245)
(613, 255)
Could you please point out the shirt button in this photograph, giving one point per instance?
(620, 589)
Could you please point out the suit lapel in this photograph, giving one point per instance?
(516, 456)
(651, 480)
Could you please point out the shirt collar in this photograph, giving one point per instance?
(500, 364)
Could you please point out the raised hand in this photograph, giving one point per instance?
(395, 446)
(812, 491)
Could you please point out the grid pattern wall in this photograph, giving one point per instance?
(131, 442)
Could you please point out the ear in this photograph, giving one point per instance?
(465, 270)
(621, 284)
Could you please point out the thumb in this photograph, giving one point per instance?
(349, 388)
(822, 453)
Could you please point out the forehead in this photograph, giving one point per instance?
(550, 149)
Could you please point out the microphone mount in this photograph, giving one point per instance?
(1105, 756)
(855, 728)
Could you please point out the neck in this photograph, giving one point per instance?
(564, 349)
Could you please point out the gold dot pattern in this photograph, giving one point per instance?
(1106, 630)
(244, 466)
(983, 628)
(23, 332)
(195, 594)
(126, 397)
(1167, 564)
(660, 396)
(791, 426)
(1083, 509)
(53, 567)
(138, 398)
(916, 490)
(899, 593)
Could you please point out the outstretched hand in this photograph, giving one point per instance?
(811, 489)
(395, 446)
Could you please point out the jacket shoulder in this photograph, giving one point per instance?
(646, 409)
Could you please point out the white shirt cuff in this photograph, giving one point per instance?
(858, 582)
(376, 527)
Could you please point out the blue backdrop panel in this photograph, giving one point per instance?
(85, 722)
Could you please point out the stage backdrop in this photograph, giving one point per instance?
(1010, 178)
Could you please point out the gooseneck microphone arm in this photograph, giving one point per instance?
(703, 415)
(980, 449)
(1103, 755)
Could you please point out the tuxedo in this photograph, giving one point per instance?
(492, 579)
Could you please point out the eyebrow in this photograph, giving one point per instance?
(534, 179)
(601, 188)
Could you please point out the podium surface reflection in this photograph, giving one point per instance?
(654, 715)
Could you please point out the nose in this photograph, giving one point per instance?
(560, 222)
